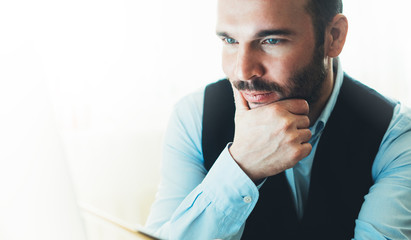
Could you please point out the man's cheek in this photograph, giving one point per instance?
(228, 64)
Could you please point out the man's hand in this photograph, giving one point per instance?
(271, 138)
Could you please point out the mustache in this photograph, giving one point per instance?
(258, 84)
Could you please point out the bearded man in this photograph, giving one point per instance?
(288, 146)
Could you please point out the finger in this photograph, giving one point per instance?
(302, 121)
(240, 103)
(302, 151)
(306, 149)
(295, 106)
(304, 135)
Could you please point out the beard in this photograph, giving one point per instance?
(305, 83)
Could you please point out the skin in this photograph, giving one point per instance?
(252, 53)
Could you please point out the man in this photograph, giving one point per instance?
(306, 152)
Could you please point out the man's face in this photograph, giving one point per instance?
(269, 51)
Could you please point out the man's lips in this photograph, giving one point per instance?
(260, 97)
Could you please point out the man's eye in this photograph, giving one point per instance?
(229, 40)
(271, 41)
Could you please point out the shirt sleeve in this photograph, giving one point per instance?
(386, 211)
(191, 203)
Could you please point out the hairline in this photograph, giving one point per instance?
(319, 21)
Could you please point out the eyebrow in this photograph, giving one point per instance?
(263, 33)
(271, 32)
(223, 34)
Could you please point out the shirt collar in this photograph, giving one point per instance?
(325, 114)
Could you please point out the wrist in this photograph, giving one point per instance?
(255, 178)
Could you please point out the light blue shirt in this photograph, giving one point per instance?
(194, 204)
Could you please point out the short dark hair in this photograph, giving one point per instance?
(322, 13)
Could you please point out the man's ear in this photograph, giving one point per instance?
(335, 35)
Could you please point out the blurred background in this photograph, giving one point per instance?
(87, 86)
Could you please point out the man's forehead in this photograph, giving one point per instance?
(252, 16)
(276, 7)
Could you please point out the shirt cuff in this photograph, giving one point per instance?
(230, 188)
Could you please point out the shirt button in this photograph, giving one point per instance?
(247, 199)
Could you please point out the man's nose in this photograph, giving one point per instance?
(249, 64)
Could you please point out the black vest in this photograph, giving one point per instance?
(341, 172)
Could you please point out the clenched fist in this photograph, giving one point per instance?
(271, 138)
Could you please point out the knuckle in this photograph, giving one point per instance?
(308, 133)
(300, 152)
(305, 150)
(293, 138)
(295, 154)
(287, 123)
(306, 121)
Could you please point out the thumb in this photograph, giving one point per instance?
(240, 103)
